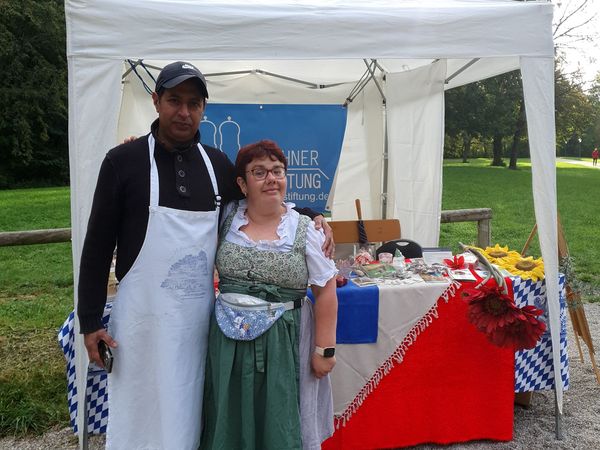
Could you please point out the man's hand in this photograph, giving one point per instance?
(129, 139)
(91, 344)
(329, 245)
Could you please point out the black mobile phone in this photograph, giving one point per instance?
(106, 356)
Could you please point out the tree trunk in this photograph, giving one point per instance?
(466, 147)
(497, 151)
(519, 128)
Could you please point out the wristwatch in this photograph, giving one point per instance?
(327, 352)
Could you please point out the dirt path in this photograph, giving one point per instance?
(577, 162)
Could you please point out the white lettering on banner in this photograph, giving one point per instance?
(303, 158)
(304, 180)
(299, 197)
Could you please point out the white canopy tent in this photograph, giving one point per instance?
(421, 48)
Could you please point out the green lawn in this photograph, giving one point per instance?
(509, 194)
(36, 283)
(36, 295)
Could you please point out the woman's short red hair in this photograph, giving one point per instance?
(256, 150)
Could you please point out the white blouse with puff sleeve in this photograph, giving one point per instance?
(320, 268)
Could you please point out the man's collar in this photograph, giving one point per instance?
(154, 131)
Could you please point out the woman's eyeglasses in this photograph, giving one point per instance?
(260, 173)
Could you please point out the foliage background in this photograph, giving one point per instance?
(484, 119)
(33, 94)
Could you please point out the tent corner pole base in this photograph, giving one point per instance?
(558, 422)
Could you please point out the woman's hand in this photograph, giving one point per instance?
(321, 366)
(325, 312)
(329, 245)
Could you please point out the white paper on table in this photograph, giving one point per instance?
(436, 257)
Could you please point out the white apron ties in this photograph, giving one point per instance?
(160, 320)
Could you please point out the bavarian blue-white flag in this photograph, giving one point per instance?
(311, 137)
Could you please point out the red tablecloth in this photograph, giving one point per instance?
(453, 386)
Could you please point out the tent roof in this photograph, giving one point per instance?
(339, 29)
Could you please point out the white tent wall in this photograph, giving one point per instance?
(101, 34)
(415, 115)
(94, 99)
(359, 171)
(538, 86)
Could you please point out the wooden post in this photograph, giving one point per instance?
(483, 217)
(484, 233)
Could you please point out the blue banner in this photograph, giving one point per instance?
(310, 136)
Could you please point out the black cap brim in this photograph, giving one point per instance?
(181, 78)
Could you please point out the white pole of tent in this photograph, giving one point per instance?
(538, 90)
(384, 187)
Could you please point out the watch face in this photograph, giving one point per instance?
(328, 352)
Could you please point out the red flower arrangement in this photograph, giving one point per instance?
(456, 263)
(494, 313)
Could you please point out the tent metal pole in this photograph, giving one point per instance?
(558, 422)
(276, 75)
(372, 72)
(132, 65)
(358, 87)
(384, 187)
(242, 72)
(461, 70)
(84, 442)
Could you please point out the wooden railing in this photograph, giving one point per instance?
(483, 217)
(35, 237)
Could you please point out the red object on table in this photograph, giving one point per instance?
(453, 386)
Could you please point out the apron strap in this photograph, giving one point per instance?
(153, 173)
(211, 174)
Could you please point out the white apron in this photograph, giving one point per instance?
(160, 321)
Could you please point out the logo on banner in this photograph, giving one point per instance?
(311, 137)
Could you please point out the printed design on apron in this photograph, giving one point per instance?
(185, 277)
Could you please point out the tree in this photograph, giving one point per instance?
(33, 93)
(500, 106)
(575, 113)
(462, 118)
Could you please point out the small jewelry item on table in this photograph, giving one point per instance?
(363, 257)
(386, 258)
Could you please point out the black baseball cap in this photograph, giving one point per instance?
(173, 74)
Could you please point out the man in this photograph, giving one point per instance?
(158, 198)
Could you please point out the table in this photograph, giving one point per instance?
(443, 383)
(534, 369)
(451, 386)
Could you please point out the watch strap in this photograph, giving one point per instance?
(325, 352)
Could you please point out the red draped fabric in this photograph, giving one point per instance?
(453, 386)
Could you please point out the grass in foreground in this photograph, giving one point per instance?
(36, 295)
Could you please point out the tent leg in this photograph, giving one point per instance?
(83, 432)
(558, 419)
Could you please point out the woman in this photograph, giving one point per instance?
(271, 391)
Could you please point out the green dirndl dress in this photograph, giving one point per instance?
(251, 395)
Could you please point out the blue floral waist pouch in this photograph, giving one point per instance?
(244, 317)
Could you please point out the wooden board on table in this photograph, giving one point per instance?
(346, 231)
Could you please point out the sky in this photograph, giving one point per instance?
(584, 55)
